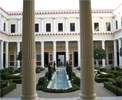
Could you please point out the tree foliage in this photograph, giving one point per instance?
(19, 56)
(99, 54)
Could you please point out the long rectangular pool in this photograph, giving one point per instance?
(60, 80)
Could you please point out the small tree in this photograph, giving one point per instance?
(99, 54)
(19, 56)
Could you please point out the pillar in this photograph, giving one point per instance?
(18, 50)
(28, 52)
(1, 55)
(67, 50)
(42, 54)
(78, 53)
(103, 47)
(54, 51)
(115, 53)
(6, 54)
(120, 58)
(86, 40)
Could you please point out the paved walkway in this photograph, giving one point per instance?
(100, 90)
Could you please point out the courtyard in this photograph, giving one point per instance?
(99, 88)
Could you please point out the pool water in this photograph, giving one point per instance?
(60, 80)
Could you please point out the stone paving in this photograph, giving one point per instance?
(100, 91)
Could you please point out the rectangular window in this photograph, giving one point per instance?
(12, 28)
(110, 56)
(48, 27)
(60, 27)
(12, 58)
(38, 57)
(96, 26)
(72, 26)
(108, 26)
(4, 27)
(36, 27)
(116, 24)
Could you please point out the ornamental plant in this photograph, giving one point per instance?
(99, 54)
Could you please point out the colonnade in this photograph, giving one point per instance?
(4, 44)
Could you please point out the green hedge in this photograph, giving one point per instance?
(113, 88)
(17, 81)
(39, 69)
(7, 89)
(100, 80)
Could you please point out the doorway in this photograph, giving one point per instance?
(46, 59)
(61, 59)
(75, 59)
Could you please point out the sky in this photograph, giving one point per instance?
(17, 5)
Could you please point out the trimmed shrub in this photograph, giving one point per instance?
(39, 69)
(100, 80)
(109, 75)
(17, 81)
(113, 88)
(76, 80)
(7, 89)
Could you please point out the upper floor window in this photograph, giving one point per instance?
(116, 24)
(48, 27)
(12, 28)
(96, 26)
(108, 26)
(72, 26)
(4, 27)
(36, 27)
(60, 27)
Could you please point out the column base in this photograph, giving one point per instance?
(31, 97)
(88, 97)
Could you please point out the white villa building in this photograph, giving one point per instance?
(57, 36)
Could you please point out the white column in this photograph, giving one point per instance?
(66, 25)
(42, 25)
(18, 26)
(78, 53)
(78, 24)
(120, 58)
(42, 54)
(53, 25)
(54, 51)
(67, 50)
(86, 40)
(103, 47)
(28, 52)
(18, 50)
(7, 54)
(1, 55)
(115, 53)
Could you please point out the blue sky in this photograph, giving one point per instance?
(16, 5)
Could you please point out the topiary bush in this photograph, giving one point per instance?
(39, 69)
